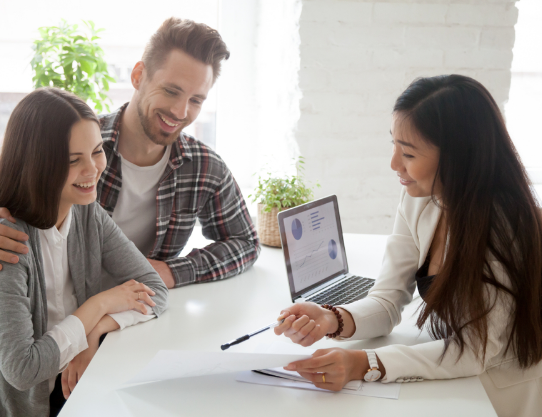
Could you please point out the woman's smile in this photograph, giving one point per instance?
(404, 181)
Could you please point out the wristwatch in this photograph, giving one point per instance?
(373, 373)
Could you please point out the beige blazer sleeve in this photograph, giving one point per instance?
(380, 311)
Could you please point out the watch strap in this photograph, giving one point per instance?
(371, 356)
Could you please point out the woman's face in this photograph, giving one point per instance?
(87, 162)
(414, 160)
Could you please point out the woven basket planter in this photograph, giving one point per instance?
(268, 227)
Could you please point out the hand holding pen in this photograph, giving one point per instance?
(306, 323)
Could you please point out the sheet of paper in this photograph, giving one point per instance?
(294, 376)
(370, 389)
(367, 389)
(172, 364)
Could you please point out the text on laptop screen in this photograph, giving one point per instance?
(314, 245)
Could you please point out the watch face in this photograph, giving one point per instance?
(372, 375)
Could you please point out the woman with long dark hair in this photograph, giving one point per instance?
(468, 234)
(58, 300)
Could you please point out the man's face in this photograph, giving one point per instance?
(172, 98)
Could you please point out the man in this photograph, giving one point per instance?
(158, 180)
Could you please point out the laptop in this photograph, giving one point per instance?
(313, 247)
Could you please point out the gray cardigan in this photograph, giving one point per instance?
(99, 256)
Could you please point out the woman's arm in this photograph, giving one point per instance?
(378, 313)
(73, 373)
(24, 360)
(338, 366)
(424, 360)
(123, 261)
(118, 299)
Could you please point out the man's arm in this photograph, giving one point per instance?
(224, 219)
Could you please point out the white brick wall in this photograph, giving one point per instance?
(357, 57)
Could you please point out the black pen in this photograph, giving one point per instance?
(248, 336)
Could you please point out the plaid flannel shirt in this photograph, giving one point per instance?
(195, 184)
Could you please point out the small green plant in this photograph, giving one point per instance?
(286, 192)
(69, 58)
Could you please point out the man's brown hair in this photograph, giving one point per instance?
(35, 157)
(196, 39)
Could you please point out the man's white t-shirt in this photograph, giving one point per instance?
(135, 212)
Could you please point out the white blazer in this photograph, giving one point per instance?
(512, 391)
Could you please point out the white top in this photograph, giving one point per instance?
(135, 212)
(67, 330)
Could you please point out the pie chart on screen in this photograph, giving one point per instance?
(297, 229)
(332, 249)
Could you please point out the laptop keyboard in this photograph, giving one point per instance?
(348, 291)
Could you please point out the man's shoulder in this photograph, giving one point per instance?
(199, 152)
(104, 118)
(109, 122)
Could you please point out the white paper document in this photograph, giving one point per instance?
(292, 379)
(294, 376)
(367, 389)
(173, 364)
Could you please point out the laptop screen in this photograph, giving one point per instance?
(313, 244)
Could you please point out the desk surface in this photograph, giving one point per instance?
(203, 316)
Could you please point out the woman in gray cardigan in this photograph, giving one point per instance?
(52, 315)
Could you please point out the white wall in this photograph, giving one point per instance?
(525, 105)
(357, 57)
(258, 93)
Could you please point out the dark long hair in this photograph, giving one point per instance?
(490, 212)
(35, 156)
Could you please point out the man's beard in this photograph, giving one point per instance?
(161, 138)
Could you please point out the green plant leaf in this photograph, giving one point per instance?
(67, 56)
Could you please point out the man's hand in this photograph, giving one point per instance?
(9, 240)
(163, 270)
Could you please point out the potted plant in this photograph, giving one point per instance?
(274, 194)
(70, 58)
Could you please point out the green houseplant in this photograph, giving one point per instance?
(274, 194)
(68, 57)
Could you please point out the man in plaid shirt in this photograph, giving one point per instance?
(159, 180)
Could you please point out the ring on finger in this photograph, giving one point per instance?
(139, 296)
(324, 378)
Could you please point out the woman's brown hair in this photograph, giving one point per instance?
(490, 212)
(35, 157)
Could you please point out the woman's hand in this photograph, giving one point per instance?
(306, 323)
(337, 366)
(121, 298)
(126, 297)
(73, 373)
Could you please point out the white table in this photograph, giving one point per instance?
(202, 317)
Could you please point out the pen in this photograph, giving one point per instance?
(248, 336)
